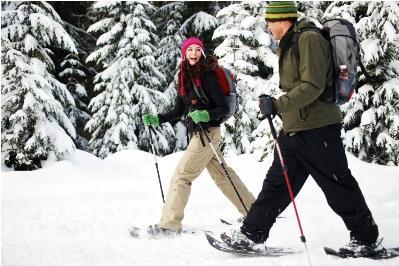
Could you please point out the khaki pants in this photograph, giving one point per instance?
(195, 159)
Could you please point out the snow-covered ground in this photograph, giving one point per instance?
(77, 212)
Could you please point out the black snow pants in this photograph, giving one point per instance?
(319, 153)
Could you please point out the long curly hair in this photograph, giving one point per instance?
(193, 74)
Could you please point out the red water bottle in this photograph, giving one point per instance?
(344, 84)
(343, 72)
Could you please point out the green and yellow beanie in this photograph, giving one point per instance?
(279, 10)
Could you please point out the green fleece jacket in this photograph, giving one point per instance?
(303, 83)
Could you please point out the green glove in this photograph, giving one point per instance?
(150, 120)
(199, 116)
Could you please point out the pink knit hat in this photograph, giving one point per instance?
(184, 46)
(188, 42)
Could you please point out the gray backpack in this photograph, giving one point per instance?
(228, 85)
(345, 51)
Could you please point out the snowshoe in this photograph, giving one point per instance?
(155, 231)
(356, 249)
(237, 240)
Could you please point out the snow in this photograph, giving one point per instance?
(51, 30)
(368, 117)
(353, 138)
(390, 31)
(371, 49)
(201, 21)
(109, 36)
(30, 43)
(77, 212)
(101, 25)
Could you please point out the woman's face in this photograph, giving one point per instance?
(193, 54)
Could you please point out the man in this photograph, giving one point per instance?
(310, 141)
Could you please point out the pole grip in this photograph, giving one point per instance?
(272, 128)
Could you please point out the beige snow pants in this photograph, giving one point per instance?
(195, 159)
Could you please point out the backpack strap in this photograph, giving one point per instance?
(201, 95)
(205, 100)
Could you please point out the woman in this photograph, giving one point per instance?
(196, 71)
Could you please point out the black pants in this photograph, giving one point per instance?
(320, 153)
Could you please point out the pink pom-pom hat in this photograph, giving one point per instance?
(184, 46)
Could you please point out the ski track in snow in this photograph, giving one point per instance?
(78, 212)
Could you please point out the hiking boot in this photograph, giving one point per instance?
(356, 248)
(239, 241)
(156, 231)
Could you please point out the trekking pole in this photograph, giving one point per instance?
(156, 161)
(287, 181)
(224, 168)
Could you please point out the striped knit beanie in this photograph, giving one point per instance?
(279, 10)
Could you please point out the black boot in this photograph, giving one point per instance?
(239, 241)
(357, 249)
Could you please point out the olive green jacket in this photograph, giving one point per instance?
(304, 83)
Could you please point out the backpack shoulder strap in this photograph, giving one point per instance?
(201, 94)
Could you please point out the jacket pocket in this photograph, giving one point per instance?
(303, 114)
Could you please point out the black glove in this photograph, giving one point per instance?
(266, 105)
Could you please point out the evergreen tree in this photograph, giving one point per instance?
(34, 125)
(168, 57)
(129, 82)
(371, 117)
(73, 75)
(200, 20)
(312, 11)
(171, 37)
(247, 50)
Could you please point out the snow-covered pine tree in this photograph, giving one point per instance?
(168, 57)
(371, 117)
(33, 124)
(73, 75)
(168, 52)
(247, 50)
(312, 11)
(200, 20)
(129, 83)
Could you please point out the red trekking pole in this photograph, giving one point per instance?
(287, 181)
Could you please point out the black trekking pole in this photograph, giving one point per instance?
(150, 128)
(222, 164)
(287, 181)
